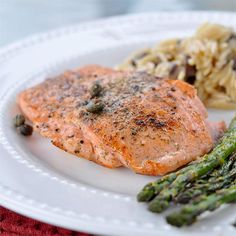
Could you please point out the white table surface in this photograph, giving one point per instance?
(20, 18)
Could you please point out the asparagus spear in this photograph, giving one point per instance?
(189, 213)
(222, 178)
(214, 159)
(152, 189)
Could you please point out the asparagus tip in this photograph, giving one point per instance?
(174, 220)
(183, 198)
(145, 196)
(179, 220)
(158, 207)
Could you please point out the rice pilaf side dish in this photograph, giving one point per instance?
(207, 60)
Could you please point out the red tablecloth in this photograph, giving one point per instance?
(13, 224)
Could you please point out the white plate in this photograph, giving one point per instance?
(43, 182)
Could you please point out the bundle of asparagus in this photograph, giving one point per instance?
(201, 184)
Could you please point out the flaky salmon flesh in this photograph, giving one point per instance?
(148, 124)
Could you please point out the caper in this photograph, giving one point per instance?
(95, 90)
(26, 130)
(19, 120)
(95, 107)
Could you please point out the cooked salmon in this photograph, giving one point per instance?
(146, 123)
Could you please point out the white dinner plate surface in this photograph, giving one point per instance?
(43, 182)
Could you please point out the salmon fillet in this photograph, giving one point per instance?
(148, 124)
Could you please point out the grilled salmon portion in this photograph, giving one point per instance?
(146, 123)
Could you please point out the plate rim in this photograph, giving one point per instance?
(16, 45)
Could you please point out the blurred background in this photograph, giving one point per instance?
(20, 18)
